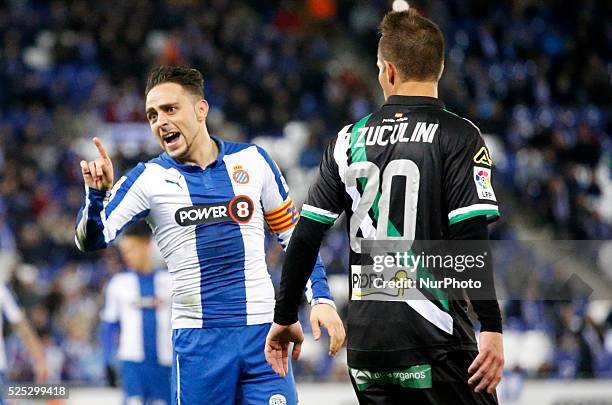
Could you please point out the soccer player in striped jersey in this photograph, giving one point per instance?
(137, 308)
(207, 202)
(408, 176)
(10, 310)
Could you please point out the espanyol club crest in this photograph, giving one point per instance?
(240, 175)
(277, 399)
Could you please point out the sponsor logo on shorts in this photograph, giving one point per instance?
(277, 399)
(418, 376)
(238, 209)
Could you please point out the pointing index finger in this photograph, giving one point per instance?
(100, 147)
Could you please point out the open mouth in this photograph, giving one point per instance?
(171, 138)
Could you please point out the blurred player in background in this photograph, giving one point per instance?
(207, 202)
(137, 307)
(10, 311)
(410, 171)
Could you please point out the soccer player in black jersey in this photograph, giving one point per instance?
(410, 173)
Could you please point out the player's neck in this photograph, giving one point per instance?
(422, 89)
(205, 151)
(146, 268)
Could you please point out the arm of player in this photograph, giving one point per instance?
(106, 212)
(297, 268)
(318, 215)
(483, 299)
(298, 265)
(35, 348)
(281, 217)
(109, 335)
(14, 315)
(487, 368)
(323, 312)
(282, 222)
(108, 339)
(110, 326)
(471, 203)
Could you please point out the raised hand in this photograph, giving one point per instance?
(98, 173)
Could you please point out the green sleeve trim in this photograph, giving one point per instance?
(317, 217)
(491, 214)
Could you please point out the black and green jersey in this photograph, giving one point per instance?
(403, 173)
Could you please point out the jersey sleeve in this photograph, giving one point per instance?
(9, 306)
(105, 214)
(324, 201)
(467, 176)
(110, 311)
(281, 216)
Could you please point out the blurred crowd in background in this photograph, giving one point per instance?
(535, 77)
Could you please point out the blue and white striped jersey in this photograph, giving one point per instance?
(209, 226)
(10, 310)
(140, 305)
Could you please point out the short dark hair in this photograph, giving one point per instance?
(190, 79)
(139, 229)
(414, 44)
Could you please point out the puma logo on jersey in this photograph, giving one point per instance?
(384, 135)
(173, 182)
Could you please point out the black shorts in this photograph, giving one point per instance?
(439, 383)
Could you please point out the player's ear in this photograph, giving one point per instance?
(202, 109)
(390, 72)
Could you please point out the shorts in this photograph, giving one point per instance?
(146, 383)
(442, 382)
(226, 366)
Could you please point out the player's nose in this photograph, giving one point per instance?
(163, 124)
(162, 120)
